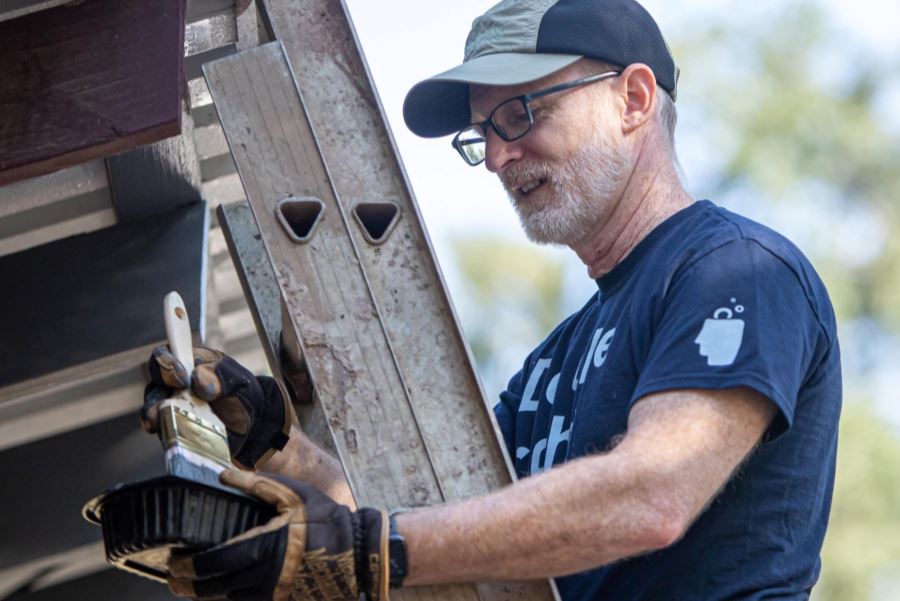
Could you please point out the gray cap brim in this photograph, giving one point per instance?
(440, 105)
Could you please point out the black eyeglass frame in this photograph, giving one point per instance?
(525, 99)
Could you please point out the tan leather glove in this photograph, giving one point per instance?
(254, 409)
(313, 550)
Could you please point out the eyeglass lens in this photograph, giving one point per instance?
(510, 121)
(470, 143)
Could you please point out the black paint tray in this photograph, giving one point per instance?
(144, 522)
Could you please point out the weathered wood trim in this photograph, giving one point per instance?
(193, 64)
(53, 569)
(43, 209)
(197, 10)
(210, 141)
(43, 215)
(217, 166)
(38, 192)
(207, 40)
(81, 215)
(68, 383)
(72, 398)
(13, 9)
(200, 10)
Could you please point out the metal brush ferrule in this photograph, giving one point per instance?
(180, 427)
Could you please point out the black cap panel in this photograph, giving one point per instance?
(435, 108)
(620, 32)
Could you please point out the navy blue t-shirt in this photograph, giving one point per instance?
(708, 300)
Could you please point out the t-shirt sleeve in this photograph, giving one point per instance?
(506, 414)
(737, 316)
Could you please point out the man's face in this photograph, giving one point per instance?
(563, 177)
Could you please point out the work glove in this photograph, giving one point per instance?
(313, 550)
(254, 409)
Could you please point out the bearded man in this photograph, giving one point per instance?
(675, 438)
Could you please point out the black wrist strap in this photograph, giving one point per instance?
(396, 554)
(278, 440)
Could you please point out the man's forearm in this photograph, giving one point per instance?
(680, 449)
(556, 523)
(302, 459)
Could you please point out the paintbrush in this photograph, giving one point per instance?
(194, 438)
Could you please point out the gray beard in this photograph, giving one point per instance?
(577, 193)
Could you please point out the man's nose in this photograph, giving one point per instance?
(498, 153)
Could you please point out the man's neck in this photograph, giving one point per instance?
(651, 195)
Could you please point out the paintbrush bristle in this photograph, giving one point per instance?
(189, 465)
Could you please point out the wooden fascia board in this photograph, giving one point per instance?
(197, 10)
(87, 81)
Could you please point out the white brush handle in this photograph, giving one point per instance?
(194, 437)
(181, 344)
(178, 330)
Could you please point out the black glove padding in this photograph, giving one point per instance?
(313, 550)
(254, 409)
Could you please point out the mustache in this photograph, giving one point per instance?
(519, 174)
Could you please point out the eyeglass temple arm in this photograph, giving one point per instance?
(570, 84)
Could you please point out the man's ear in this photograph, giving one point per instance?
(639, 86)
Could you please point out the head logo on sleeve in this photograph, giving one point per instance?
(720, 339)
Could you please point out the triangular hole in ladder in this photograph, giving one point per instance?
(376, 218)
(301, 216)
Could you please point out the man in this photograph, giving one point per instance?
(689, 410)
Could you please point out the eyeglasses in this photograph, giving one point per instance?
(511, 119)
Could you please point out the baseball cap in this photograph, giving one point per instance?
(517, 41)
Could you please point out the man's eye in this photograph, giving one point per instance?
(519, 118)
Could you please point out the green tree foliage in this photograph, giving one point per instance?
(513, 298)
(795, 104)
(862, 548)
(527, 279)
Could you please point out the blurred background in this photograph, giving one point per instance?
(788, 114)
